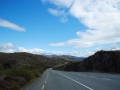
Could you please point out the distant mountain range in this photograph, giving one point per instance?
(66, 57)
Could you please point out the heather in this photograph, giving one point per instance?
(17, 77)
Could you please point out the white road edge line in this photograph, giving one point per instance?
(106, 78)
(76, 81)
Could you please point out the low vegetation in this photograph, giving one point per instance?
(17, 77)
(19, 69)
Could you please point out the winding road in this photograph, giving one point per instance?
(60, 80)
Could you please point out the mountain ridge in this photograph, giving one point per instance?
(70, 57)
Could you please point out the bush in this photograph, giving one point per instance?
(16, 77)
(9, 85)
(28, 72)
(21, 72)
(36, 73)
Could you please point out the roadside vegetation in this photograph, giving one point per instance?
(20, 68)
(16, 77)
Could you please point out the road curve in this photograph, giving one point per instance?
(60, 80)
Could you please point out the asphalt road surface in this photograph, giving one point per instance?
(60, 80)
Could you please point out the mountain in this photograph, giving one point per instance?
(72, 57)
(103, 61)
(51, 56)
(65, 57)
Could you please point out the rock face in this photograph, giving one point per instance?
(104, 61)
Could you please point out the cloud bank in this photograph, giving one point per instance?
(10, 48)
(101, 17)
(10, 25)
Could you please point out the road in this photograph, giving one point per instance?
(60, 80)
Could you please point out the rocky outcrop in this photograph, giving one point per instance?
(104, 61)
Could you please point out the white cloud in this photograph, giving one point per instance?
(55, 12)
(22, 49)
(58, 12)
(64, 19)
(72, 53)
(100, 16)
(6, 47)
(34, 51)
(10, 48)
(10, 25)
(44, 1)
(114, 47)
(60, 3)
(98, 49)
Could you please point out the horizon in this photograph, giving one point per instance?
(72, 27)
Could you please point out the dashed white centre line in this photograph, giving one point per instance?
(106, 78)
(94, 77)
(45, 81)
(76, 82)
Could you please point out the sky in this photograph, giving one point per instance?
(61, 27)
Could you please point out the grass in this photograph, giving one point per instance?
(17, 77)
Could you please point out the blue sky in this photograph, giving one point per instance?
(71, 27)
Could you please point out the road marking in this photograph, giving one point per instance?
(43, 87)
(76, 81)
(93, 76)
(45, 81)
(106, 78)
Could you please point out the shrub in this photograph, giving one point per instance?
(21, 72)
(36, 73)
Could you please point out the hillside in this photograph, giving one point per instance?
(27, 59)
(20, 69)
(103, 61)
